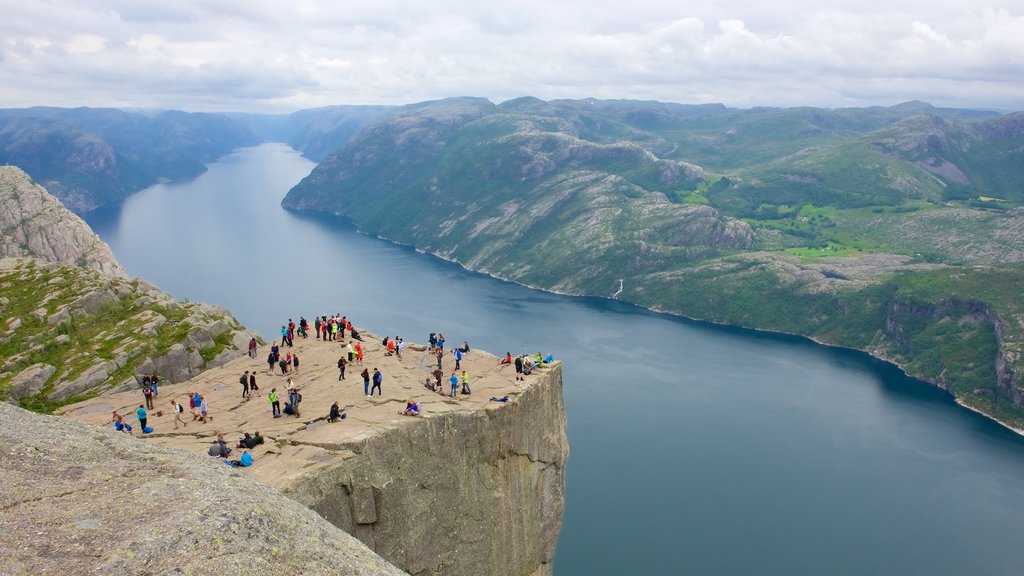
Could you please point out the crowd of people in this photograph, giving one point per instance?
(328, 329)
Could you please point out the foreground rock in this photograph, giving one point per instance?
(470, 487)
(78, 499)
(36, 224)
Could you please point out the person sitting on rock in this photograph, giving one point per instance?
(244, 462)
(247, 442)
(219, 448)
(506, 360)
(337, 413)
(412, 408)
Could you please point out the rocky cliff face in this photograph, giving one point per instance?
(80, 499)
(36, 224)
(461, 494)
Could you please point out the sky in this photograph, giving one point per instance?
(279, 56)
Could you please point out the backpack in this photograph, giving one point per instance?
(147, 391)
(179, 408)
(243, 380)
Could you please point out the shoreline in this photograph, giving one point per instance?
(709, 323)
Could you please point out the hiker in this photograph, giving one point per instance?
(177, 410)
(412, 408)
(284, 335)
(284, 365)
(219, 448)
(293, 396)
(378, 379)
(440, 356)
(142, 416)
(247, 442)
(275, 404)
(119, 424)
(270, 363)
(244, 381)
(252, 347)
(204, 411)
(519, 368)
(316, 327)
(337, 413)
(458, 358)
(359, 353)
(252, 383)
(148, 393)
(438, 374)
(303, 326)
(465, 383)
(341, 368)
(399, 344)
(366, 381)
(244, 462)
(154, 381)
(432, 340)
(295, 363)
(454, 380)
(440, 341)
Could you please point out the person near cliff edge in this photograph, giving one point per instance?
(458, 358)
(275, 404)
(366, 381)
(336, 413)
(378, 379)
(454, 380)
(465, 383)
(142, 416)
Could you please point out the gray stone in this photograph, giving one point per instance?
(92, 376)
(13, 324)
(125, 512)
(30, 381)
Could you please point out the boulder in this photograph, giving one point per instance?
(30, 381)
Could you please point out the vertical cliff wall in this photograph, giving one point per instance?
(463, 493)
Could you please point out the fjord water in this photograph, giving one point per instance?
(694, 449)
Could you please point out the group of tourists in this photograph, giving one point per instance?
(248, 382)
(287, 363)
(332, 329)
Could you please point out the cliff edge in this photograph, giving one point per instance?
(472, 486)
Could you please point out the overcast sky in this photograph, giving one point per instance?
(280, 55)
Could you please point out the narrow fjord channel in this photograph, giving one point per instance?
(695, 449)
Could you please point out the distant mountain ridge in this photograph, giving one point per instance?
(88, 157)
(899, 230)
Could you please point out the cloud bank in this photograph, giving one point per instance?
(267, 56)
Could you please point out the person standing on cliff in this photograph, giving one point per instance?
(458, 358)
(177, 409)
(366, 381)
(142, 416)
(275, 404)
(252, 347)
(465, 383)
(454, 380)
(252, 383)
(378, 379)
(244, 381)
(341, 368)
(154, 381)
(519, 367)
(316, 327)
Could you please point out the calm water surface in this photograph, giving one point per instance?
(695, 449)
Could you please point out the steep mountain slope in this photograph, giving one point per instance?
(35, 224)
(88, 157)
(815, 222)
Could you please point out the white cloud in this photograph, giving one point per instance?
(264, 55)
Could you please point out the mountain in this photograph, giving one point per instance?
(88, 157)
(893, 230)
(316, 132)
(72, 324)
(35, 224)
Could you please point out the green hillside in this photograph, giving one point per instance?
(893, 230)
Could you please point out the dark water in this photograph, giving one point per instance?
(695, 449)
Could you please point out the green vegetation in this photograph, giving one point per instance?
(74, 320)
(894, 230)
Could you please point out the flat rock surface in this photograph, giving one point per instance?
(296, 445)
